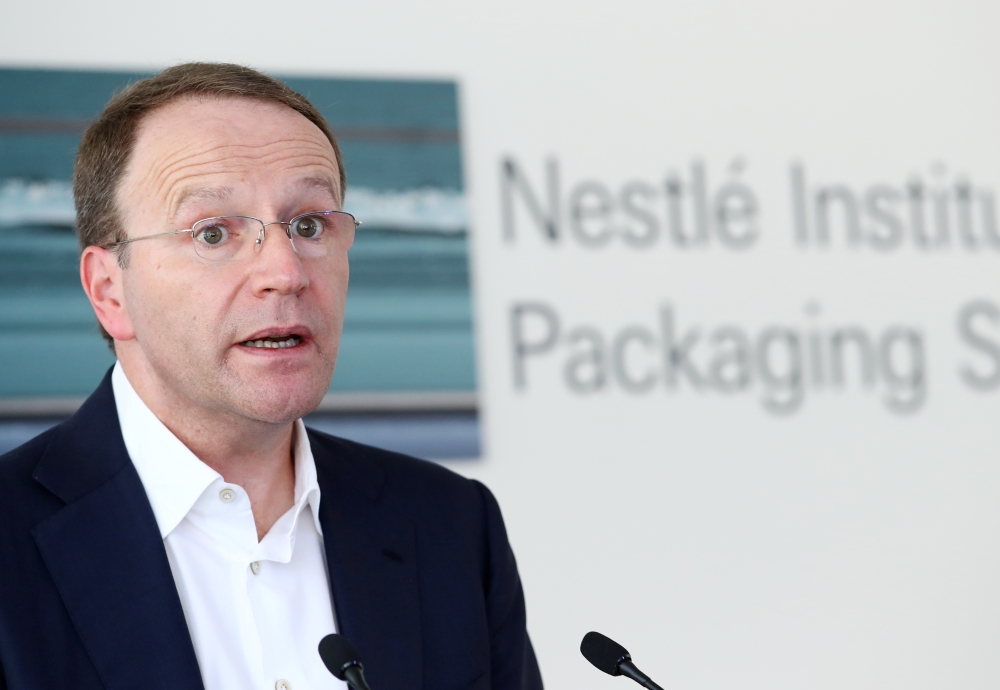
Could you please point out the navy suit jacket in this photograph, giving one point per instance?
(423, 579)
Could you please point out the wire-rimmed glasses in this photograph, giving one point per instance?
(235, 238)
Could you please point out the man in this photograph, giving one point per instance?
(183, 529)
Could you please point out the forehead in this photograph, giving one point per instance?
(243, 144)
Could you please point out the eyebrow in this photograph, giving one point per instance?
(223, 193)
(191, 194)
(322, 184)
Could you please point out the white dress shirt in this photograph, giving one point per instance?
(256, 610)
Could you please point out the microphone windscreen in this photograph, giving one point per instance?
(603, 652)
(337, 653)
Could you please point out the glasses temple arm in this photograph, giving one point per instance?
(147, 237)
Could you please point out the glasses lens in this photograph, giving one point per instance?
(322, 232)
(228, 238)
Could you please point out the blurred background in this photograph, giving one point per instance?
(706, 293)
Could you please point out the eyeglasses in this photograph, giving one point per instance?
(236, 238)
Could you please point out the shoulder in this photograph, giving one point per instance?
(17, 467)
(394, 469)
(24, 502)
(28, 453)
(399, 479)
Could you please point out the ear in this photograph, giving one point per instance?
(102, 281)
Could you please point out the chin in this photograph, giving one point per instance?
(278, 410)
(283, 400)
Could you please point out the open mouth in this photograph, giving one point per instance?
(276, 342)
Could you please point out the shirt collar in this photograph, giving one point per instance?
(173, 477)
(306, 483)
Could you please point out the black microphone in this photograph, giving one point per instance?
(343, 660)
(613, 659)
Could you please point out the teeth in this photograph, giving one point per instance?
(290, 341)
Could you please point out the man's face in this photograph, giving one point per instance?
(195, 322)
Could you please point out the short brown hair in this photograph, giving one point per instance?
(107, 144)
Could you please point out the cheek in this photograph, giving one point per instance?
(331, 285)
(211, 310)
(174, 309)
(330, 292)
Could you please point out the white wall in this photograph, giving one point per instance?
(844, 544)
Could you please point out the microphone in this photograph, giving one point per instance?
(613, 659)
(343, 660)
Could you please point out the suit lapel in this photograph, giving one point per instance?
(372, 560)
(106, 556)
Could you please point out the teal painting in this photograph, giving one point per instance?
(408, 326)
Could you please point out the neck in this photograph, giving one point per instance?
(255, 455)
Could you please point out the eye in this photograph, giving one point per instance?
(213, 235)
(308, 227)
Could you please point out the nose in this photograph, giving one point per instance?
(277, 268)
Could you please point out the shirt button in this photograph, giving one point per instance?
(227, 495)
(255, 568)
(282, 685)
